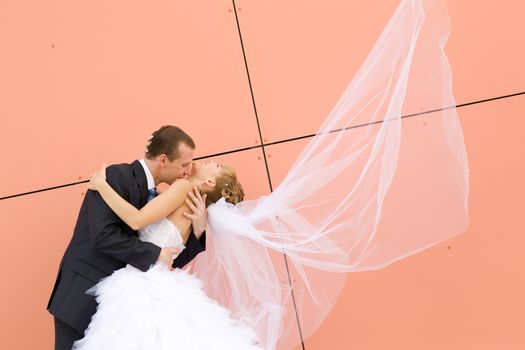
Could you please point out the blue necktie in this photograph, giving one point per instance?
(152, 193)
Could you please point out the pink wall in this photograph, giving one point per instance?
(84, 83)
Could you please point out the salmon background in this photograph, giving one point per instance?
(86, 83)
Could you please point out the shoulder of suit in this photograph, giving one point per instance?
(120, 169)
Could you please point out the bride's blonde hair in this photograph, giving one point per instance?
(226, 185)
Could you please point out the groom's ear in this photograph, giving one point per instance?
(162, 159)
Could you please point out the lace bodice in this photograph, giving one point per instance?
(162, 233)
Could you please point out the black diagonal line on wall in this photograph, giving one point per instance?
(282, 141)
(261, 141)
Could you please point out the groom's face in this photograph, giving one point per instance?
(180, 167)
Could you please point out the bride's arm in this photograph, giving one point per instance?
(160, 207)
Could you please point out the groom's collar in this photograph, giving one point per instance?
(149, 177)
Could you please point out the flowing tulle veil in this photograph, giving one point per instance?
(370, 188)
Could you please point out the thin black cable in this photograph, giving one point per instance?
(266, 164)
(44, 189)
(282, 141)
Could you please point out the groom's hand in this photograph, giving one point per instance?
(167, 255)
(198, 206)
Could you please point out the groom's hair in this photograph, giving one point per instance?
(166, 140)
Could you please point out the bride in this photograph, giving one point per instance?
(371, 187)
(159, 308)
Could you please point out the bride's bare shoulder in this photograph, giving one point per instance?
(180, 185)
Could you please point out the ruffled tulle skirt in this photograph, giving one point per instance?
(160, 309)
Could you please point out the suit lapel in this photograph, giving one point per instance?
(140, 179)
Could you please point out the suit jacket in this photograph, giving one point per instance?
(102, 243)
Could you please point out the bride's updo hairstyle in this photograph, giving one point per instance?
(226, 185)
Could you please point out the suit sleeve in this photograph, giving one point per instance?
(107, 231)
(193, 247)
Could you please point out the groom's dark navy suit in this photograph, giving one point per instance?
(102, 243)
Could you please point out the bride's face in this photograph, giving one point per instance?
(207, 170)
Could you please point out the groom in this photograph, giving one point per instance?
(102, 243)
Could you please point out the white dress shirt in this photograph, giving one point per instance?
(149, 177)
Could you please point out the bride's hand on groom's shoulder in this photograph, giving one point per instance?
(197, 205)
(98, 178)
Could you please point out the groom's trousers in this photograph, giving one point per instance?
(65, 335)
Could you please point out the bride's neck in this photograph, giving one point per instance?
(195, 181)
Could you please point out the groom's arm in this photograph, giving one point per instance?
(107, 231)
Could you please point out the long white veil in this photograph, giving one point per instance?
(369, 189)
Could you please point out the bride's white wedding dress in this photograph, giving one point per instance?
(160, 309)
